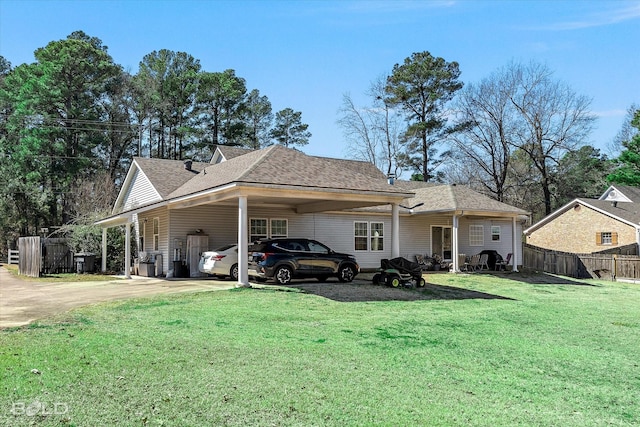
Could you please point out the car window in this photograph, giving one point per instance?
(318, 247)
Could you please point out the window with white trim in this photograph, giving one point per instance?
(279, 228)
(607, 238)
(262, 228)
(360, 235)
(377, 236)
(156, 234)
(258, 229)
(476, 235)
(495, 233)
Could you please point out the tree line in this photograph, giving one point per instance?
(71, 122)
(519, 135)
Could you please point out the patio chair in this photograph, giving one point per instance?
(502, 264)
(483, 263)
(463, 264)
(424, 265)
(473, 263)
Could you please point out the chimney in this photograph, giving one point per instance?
(391, 178)
(187, 164)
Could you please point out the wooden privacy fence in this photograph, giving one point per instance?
(582, 266)
(39, 256)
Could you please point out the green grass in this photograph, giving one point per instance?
(541, 355)
(60, 277)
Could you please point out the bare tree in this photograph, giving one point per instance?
(485, 117)
(552, 120)
(372, 133)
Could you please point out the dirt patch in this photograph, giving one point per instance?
(361, 291)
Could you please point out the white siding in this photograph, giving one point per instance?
(336, 230)
(163, 242)
(141, 192)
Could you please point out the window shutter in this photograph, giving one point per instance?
(614, 238)
(598, 239)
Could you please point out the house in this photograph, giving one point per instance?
(591, 225)
(179, 209)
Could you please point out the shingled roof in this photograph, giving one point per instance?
(623, 206)
(230, 151)
(167, 175)
(444, 198)
(277, 165)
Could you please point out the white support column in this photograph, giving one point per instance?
(514, 245)
(127, 251)
(243, 239)
(454, 255)
(395, 230)
(104, 250)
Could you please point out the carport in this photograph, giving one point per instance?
(275, 177)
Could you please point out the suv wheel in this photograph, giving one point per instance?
(283, 275)
(346, 273)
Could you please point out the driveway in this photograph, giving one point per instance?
(23, 301)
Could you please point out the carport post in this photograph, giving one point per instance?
(395, 230)
(514, 246)
(127, 251)
(243, 255)
(104, 250)
(454, 255)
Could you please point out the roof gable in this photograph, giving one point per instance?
(621, 193)
(223, 153)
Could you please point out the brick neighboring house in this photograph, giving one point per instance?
(591, 225)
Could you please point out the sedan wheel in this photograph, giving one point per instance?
(233, 273)
(346, 273)
(283, 275)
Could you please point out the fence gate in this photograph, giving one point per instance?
(39, 256)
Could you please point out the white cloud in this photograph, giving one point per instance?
(609, 17)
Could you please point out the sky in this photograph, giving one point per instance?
(306, 55)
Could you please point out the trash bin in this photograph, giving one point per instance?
(177, 269)
(158, 265)
(84, 262)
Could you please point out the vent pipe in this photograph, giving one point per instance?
(391, 178)
(614, 203)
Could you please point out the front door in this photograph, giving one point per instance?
(441, 241)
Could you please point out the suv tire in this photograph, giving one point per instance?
(346, 273)
(283, 275)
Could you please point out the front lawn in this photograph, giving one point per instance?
(498, 352)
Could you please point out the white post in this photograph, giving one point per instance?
(514, 246)
(243, 239)
(456, 266)
(104, 250)
(127, 251)
(395, 230)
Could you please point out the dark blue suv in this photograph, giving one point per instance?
(286, 259)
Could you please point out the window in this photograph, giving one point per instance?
(607, 238)
(495, 233)
(368, 236)
(259, 228)
(377, 236)
(360, 235)
(156, 234)
(476, 235)
(279, 228)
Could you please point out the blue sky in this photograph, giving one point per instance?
(307, 54)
